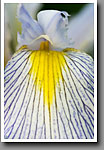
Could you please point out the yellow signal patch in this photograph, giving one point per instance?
(46, 70)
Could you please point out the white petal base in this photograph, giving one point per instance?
(49, 95)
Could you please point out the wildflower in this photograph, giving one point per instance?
(48, 86)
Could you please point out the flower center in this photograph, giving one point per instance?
(46, 66)
(44, 45)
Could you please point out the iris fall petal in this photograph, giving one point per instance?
(48, 93)
(51, 100)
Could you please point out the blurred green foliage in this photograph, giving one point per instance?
(71, 8)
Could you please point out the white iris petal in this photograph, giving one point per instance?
(50, 22)
(81, 29)
(31, 28)
(48, 94)
(55, 26)
(71, 113)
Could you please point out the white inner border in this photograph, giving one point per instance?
(95, 71)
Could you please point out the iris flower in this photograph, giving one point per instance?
(49, 86)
